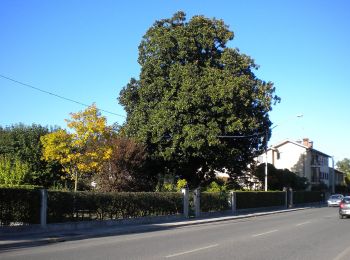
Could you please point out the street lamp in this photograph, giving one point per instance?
(267, 132)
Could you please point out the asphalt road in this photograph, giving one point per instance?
(315, 233)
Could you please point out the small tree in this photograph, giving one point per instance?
(126, 169)
(86, 149)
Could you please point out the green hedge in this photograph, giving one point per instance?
(71, 206)
(300, 197)
(249, 199)
(19, 206)
(21, 186)
(214, 201)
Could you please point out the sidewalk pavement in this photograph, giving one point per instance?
(24, 239)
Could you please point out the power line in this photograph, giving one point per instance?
(56, 95)
(240, 136)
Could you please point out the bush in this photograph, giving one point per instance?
(13, 171)
(24, 186)
(19, 206)
(214, 201)
(77, 206)
(248, 199)
(215, 187)
(300, 197)
(341, 189)
(180, 184)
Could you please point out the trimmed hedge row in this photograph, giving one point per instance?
(19, 206)
(22, 206)
(300, 197)
(77, 206)
(259, 199)
(214, 201)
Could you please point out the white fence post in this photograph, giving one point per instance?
(197, 201)
(185, 201)
(233, 202)
(291, 198)
(43, 208)
(286, 197)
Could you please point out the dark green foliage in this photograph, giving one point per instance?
(77, 206)
(248, 199)
(278, 179)
(214, 201)
(300, 197)
(193, 89)
(344, 166)
(19, 206)
(320, 187)
(25, 186)
(343, 189)
(23, 142)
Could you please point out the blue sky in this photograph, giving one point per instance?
(87, 51)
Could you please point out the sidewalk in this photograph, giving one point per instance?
(12, 240)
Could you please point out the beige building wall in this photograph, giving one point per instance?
(289, 156)
(301, 159)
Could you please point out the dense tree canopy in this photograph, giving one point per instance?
(193, 89)
(20, 145)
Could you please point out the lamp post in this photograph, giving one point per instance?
(267, 135)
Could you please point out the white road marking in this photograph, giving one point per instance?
(304, 223)
(265, 233)
(191, 251)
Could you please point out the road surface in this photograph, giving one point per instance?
(315, 233)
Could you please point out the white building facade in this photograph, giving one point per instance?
(300, 157)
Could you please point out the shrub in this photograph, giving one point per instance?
(214, 201)
(180, 184)
(19, 206)
(13, 171)
(300, 197)
(248, 199)
(76, 206)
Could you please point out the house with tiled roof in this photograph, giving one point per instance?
(301, 158)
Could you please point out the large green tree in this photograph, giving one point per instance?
(193, 89)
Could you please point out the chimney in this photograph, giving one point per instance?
(308, 143)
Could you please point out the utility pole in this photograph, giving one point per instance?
(266, 161)
(333, 176)
(267, 132)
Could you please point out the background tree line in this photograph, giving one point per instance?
(58, 158)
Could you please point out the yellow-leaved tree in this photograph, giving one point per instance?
(85, 149)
